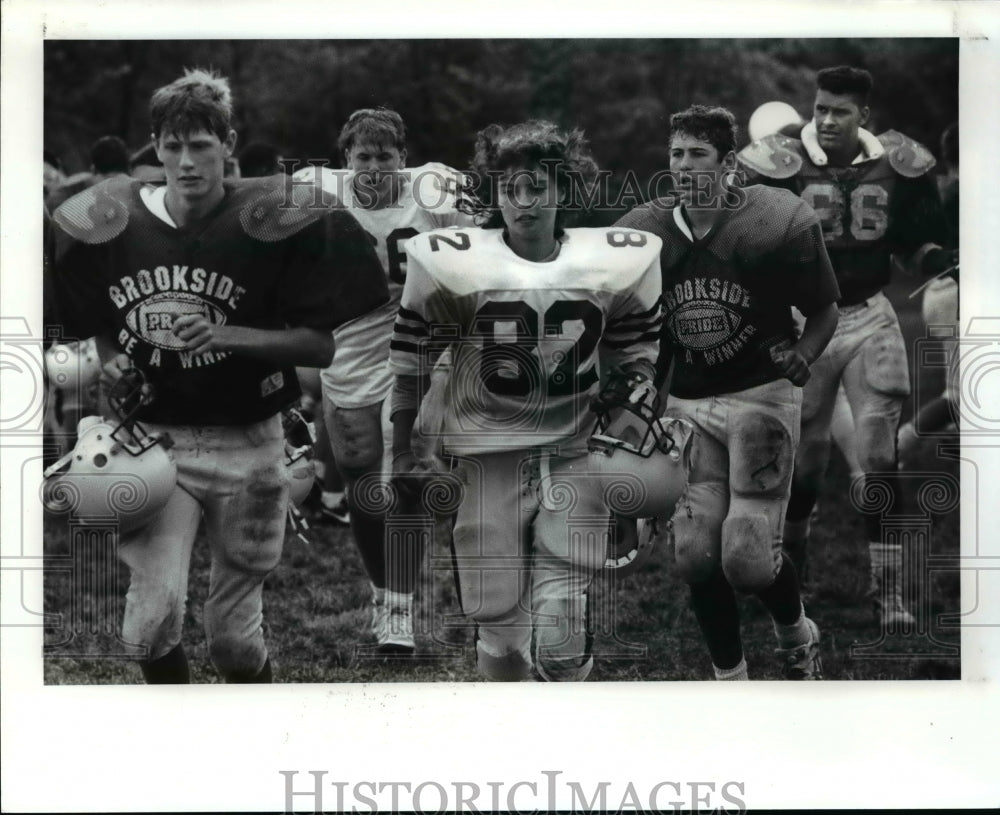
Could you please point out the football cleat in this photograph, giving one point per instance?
(395, 637)
(642, 460)
(339, 513)
(803, 662)
(116, 471)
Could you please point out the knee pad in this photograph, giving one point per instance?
(883, 360)
(356, 440)
(697, 530)
(761, 455)
(750, 557)
(154, 618)
(877, 442)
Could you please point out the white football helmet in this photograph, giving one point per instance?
(116, 471)
(773, 117)
(300, 435)
(643, 459)
(73, 369)
(631, 543)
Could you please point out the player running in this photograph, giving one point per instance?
(392, 204)
(534, 314)
(874, 198)
(734, 262)
(214, 290)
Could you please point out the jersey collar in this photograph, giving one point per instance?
(871, 147)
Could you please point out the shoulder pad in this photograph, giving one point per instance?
(98, 214)
(277, 211)
(615, 249)
(907, 157)
(774, 156)
(435, 177)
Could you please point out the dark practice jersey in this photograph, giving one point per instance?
(267, 257)
(727, 296)
(882, 204)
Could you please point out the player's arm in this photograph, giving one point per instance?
(412, 355)
(407, 393)
(306, 347)
(817, 332)
(920, 228)
(331, 275)
(630, 345)
(810, 279)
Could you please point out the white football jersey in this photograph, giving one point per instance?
(359, 374)
(529, 340)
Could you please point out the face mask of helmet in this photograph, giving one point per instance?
(300, 435)
(642, 459)
(117, 472)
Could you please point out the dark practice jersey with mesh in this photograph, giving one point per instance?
(727, 296)
(869, 211)
(267, 257)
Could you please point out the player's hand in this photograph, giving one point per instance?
(409, 476)
(622, 390)
(940, 261)
(791, 364)
(120, 372)
(199, 334)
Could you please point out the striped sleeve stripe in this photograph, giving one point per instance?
(649, 325)
(639, 315)
(412, 316)
(419, 331)
(650, 336)
(404, 347)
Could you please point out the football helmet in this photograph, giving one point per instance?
(642, 459)
(73, 369)
(300, 435)
(631, 542)
(774, 117)
(116, 470)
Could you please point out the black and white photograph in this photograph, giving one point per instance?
(421, 371)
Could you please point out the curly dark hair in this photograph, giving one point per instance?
(716, 125)
(563, 155)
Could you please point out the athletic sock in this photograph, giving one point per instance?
(793, 635)
(397, 599)
(739, 673)
(331, 499)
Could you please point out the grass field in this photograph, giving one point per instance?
(316, 604)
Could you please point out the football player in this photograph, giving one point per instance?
(392, 204)
(874, 198)
(214, 290)
(735, 260)
(533, 314)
